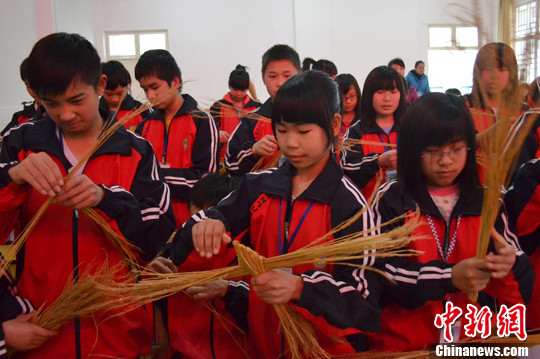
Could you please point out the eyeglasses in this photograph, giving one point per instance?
(349, 98)
(437, 155)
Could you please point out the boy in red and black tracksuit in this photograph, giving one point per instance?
(239, 158)
(185, 139)
(30, 111)
(116, 96)
(121, 181)
(523, 203)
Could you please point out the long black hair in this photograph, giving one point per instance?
(345, 81)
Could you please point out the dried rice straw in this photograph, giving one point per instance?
(108, 130)
(349, 143)
(297, 332)
(502, 148)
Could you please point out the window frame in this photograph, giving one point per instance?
(453, 40)
(137, 35)
(527, 62)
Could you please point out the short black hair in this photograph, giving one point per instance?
(239, 78)
(308, 97)
(23, 70)
(435, 119)
(397, 61)
(453, 91)
(116, 73)
(322, 65)
(59, 59)
(280, 52)
(382, 78)
(159, 63)
(418, 63)
(344, 82)
(211, 188)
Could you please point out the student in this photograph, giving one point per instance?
(184, 138)
(322, 65)
(228, 111)
(437, 174)
(398, 65)
(116, 97)
(383, 103)
(121, 181)
(254, 138)
(495, 86)
(280, 210)
(30, 110)
(352, 98)
(418, 79)
(194, 330)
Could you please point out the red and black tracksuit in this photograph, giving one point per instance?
(227, 116)
(186, 150)
(29, 112)
(338, 300)
(239, 158)
(523, 204)
(424, 282)
(66, 242)
(127, 106)
(360, 163)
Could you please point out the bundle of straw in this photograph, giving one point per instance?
(107, 131)
(127, 295)
(272, 163)
(298, 333)
(502, 148)
(349, 143)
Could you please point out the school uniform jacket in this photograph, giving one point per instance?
(239, 158)
(12, 305)
(127, 106)
(336, 299)
(361, 163)
(186, 151)
(426, 277)
(523, 203)
(28, 113)
(227, 117)
(65, 242)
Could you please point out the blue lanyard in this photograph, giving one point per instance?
(382, 141)
(288, 243)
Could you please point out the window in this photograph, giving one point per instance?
(451, 55)
(130, 45)
(527, 39)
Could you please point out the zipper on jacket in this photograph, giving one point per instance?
(165, 141)
(211, 328)
(288, 216)
(446, 242)
(75, 249)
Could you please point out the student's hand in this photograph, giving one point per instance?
(277, 287)
(224, 136)
(21, 334)
(266, 146)
(40, 171)
(210, 290)
(207, 237)
(501, 263)
(388, 159)
(80, 192)
(162, 265)
(470, 276)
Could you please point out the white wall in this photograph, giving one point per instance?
(209, 38)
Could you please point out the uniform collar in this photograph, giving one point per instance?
(266, 109)
(188, 106)
(322, 189)
(377, 129)
(248, 101)
(42, 137)
(460, 209)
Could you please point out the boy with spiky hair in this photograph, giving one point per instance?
(121, 181)
(116, 96)
(185, 139)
